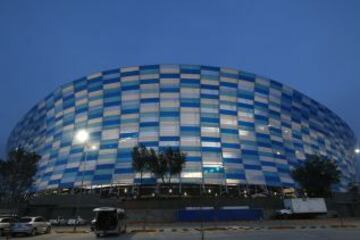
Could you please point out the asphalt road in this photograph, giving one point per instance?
(308, 234)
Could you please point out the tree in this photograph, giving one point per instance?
(316, 175)
(176, 161)
(158, 165)
(169, 162)
(17, 176)
(140, 160)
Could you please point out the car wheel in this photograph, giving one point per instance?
(33, 232)
(98, 235)
(1, 232)
(48, 230)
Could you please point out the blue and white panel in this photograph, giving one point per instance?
(235, 127)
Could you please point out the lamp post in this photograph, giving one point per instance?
(357, 153)
(82, 137)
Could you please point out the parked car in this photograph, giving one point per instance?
(259, 195)
(58, 221)
(31, 226)
(79, 221)
(5, 224)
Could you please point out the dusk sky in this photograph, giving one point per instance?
(313, 46)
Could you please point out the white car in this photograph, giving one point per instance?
(58, 221)
(78, 221)
(5, 224)
(31, 226)
(283, 213)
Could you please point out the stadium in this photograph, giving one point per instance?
(238, 129)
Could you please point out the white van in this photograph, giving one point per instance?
(109, 220)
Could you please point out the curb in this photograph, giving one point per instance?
(67, 231)
(248, 228)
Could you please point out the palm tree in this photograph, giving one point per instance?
(158, 165)
(139, 160)
(169, 162)
(175, 160)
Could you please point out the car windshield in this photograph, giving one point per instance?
(25, 220)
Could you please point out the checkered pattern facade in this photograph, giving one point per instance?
(236, 127)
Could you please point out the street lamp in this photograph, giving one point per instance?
(357, 150)
(82, 136)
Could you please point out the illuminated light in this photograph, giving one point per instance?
(82, 136)
(211, 144)
(357, 150)
(170, 190)
(192, 175)
(209, 191)
(93, 147)
(125, 139)
(278, 153)
(185, 194)
(125, 190)
(153, 194)
(243, 133)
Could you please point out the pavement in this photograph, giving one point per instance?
(322, 229)
(305, 234)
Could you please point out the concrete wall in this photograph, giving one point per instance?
(164, 210)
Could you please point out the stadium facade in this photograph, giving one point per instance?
(236, 128)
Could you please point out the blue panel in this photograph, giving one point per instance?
(149, 100)
(123, 171)
(189, 104)
(169, 75)
(127, 74)
(102, 179)
(175, 138)
(228, 84)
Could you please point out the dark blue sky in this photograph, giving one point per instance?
(312, 46)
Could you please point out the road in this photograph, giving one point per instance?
(306, 234)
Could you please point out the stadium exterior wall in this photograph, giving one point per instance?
(236, 127)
